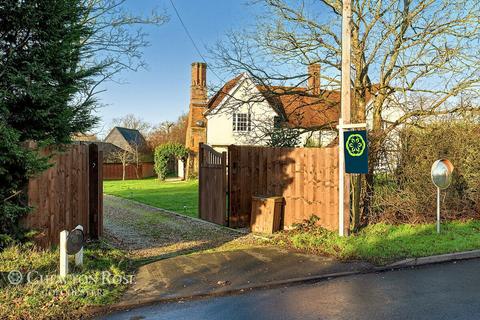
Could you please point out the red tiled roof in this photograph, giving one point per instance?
(301, 109)
(218, 97)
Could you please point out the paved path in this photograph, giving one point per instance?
(446, 291)
(216, 272)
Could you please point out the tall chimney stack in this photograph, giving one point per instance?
(197, 123)
(198, 91)
(313, 82)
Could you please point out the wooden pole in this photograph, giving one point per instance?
(343, 185)
(93, 229)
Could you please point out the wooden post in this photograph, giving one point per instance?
(344, 183)
(200, 180)
(94, 192)
(63, 254)
(225, 187)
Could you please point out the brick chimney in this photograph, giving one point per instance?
(197, 124)
(313, 82)
(198, 89)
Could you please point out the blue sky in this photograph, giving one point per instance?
(162, 92)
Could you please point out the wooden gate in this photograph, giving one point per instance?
(67, 194)
(212, 185)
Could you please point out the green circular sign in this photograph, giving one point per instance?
(355, 145)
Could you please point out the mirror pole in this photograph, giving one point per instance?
(438, 210)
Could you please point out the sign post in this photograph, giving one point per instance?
(345, 108)
(353, 158)
(341, 180)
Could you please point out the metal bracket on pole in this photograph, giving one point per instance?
(352, 125)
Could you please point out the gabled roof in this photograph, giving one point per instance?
(296, 104)
(223, 92)
(131, 135)
(125, 138)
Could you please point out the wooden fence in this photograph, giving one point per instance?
(67, 194)
(212, 185)
(307, 178)
(114, 171)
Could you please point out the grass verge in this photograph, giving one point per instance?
(42, 294)
(178, 196)
(382, 243)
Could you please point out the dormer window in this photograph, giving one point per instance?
(242, 122)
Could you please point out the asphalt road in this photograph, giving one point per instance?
(446, 291)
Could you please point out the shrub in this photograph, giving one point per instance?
(284, 138)
(17, 164)
(166, 151)
(410, 196)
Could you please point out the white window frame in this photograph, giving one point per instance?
(242, 122)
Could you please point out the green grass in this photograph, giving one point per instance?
(178, 196)
(383, 244)
(46, 295)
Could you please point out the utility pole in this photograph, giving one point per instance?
(343, 180)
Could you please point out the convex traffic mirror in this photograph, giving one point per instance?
(441, 177)
(442, 173)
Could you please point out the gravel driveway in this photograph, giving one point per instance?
(148, 232)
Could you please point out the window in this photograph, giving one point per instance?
(277, 122)
(242, 122)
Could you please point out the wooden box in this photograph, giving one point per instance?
(266, 214)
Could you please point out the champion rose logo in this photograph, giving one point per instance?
(355, 145)
(15, 277)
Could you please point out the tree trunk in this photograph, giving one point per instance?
(136, 170)
(356, 196)
(359, 116)
(375, 144)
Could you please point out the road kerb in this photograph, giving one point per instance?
(415, 262)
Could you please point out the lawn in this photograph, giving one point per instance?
(42, 294)
(178, 196)
(382, 243)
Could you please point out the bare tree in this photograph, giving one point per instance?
(399, 49)
(168, 131)
(124, 157)
(114, 44)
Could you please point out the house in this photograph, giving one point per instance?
(243, 112)
(126, 154)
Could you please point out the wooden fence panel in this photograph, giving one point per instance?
(307, 178)
(212, 185)
(60, 196)
(114, 171)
